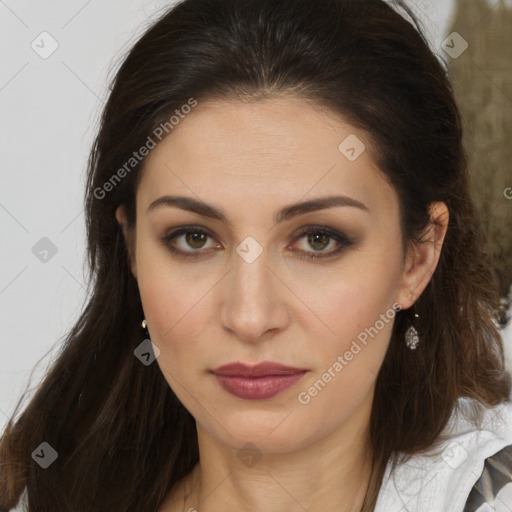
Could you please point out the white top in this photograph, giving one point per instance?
(443, 482)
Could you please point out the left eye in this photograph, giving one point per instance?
(318, 238)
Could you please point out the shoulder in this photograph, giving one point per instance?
(493, 490)
(447, 476)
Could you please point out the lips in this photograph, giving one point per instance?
(259, 370)
(261, 381)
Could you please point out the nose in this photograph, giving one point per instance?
(254, 304)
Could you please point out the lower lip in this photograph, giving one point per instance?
(258, 388)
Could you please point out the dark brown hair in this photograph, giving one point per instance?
(122, 437)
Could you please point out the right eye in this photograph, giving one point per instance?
(192, 237)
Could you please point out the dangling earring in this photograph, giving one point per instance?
(411, 336)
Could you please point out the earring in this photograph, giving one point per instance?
(144, 325)
(411, 336)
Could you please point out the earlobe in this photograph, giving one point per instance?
(122, 220)
(422, 258)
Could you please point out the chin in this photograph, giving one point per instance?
(275, 432)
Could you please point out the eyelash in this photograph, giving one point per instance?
(339, 237)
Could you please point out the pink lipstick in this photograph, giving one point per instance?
(258, 382)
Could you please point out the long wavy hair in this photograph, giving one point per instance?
(122, 437)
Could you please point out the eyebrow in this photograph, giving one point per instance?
(285, 214)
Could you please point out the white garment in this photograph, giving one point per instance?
(442, 483)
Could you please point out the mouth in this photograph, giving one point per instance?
(264, 380)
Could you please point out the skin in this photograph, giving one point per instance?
(250, 159)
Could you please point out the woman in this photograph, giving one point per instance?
(292, 305)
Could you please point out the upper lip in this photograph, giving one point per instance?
(261, 369)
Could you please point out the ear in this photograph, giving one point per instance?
(422, 258)
(128, 238)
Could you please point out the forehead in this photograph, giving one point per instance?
(279, 150)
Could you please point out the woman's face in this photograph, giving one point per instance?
(248, 286)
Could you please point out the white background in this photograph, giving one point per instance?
(49, 113)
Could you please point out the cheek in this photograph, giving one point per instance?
(356, 304)
(361, 315)
(351, 297)
(172, 297)
(172, 309)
